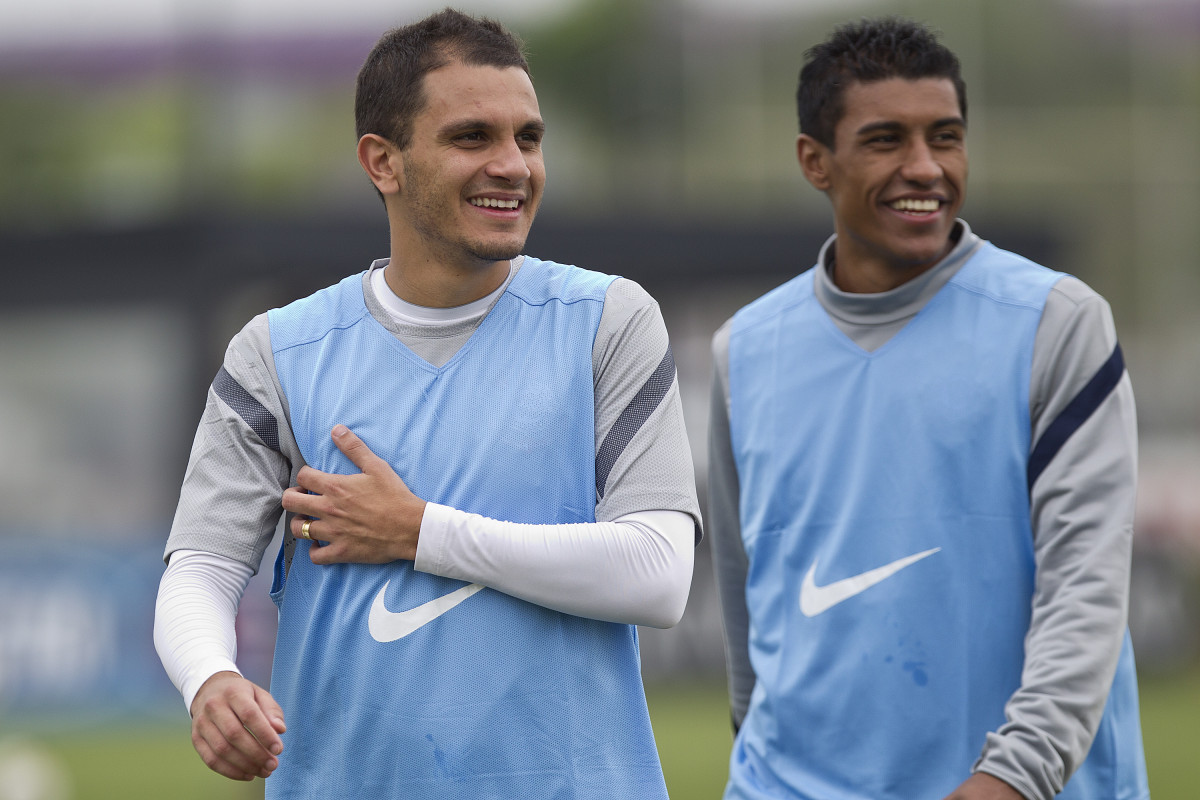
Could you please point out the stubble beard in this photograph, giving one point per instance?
(494, 251)
(429, 215)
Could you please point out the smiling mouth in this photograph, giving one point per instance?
(908, 205)
(491, 202)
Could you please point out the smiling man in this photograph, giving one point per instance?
(486, 479)
(922, 463)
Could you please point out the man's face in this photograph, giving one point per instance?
(473, 173)
(896, 177)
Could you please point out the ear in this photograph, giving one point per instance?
(814, 161)
(383, 163)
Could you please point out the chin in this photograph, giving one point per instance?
(497, 251)
(927, 255)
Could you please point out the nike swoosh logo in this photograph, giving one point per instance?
(388, 626)
(817, 599)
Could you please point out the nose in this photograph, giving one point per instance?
(509, 163)
(920, 165)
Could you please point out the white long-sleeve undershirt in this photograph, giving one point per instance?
(635, 570)
(198, 599)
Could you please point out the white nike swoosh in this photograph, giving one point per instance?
(388, 626)
(817, 599)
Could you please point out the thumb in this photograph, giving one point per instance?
(354, 448)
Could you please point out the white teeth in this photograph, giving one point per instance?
(915, 205)
(489, 202)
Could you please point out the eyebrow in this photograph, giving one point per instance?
(891, 126)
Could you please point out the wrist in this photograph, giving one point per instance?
(225, 671)
(411, 521)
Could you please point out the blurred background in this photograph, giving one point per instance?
(169, 168)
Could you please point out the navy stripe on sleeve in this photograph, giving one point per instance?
(254, 413)
(1076, 413)
(632, 419)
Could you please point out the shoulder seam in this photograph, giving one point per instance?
(995, 298)
(763, 319)
(340, 326)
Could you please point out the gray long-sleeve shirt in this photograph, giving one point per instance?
(233, 476)
(1082, 516)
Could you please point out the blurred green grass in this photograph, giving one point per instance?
(691, 723)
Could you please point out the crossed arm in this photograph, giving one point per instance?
(367, 518)
(636, 569)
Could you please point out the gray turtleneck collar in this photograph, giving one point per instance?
(871, 320)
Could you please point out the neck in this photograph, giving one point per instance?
(861, 270)
(874, 278)
(436, 285)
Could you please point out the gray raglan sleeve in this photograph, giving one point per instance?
(1083, 474)
(242, 458)
(643, 461)
(725, 535)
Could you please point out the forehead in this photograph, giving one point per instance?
(474, 92)
(898, 100)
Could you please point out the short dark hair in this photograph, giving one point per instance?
(867, 51)
(390, 87)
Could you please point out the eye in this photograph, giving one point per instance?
(530, 140)
(883, 140)
(469, 138)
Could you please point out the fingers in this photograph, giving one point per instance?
(355, 450)
(218, 762)
(312, 485)
(323, 556)
(368, 517)
(236, 727)
(326, 548)
(304, 527)
(298, 501)
(227, 747)
(274, 714)
(328, 553)
(315, 481)
(263, 718)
